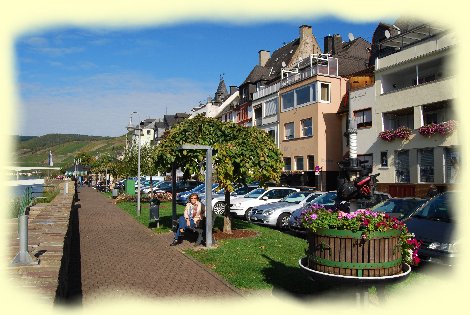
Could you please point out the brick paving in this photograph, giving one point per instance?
(121, 257)
(93, 249)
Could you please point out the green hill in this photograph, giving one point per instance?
(34, 151)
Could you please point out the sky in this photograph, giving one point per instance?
(88, 80)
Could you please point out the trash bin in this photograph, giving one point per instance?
(129, 187)
(115, 193)
(155, 211)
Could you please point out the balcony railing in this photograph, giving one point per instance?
(317, 66)
(271, 89)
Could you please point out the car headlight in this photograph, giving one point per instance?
(445, 247)
(268, 212)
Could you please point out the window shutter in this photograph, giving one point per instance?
(426, 165)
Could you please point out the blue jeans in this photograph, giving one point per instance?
(182, 225)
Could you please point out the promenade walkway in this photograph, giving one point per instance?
(91, 250)
(121, 257)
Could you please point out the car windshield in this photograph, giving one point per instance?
(438, 208)
(255, 193)
(402, 206)
(328, 198)
(295, 197)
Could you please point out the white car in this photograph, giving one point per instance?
(218, 198)
(241, 206)
(278, 213)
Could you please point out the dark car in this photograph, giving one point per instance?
(183, 185)
(400, 208)
(433, 224)
(329, 200)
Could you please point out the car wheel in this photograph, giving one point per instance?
(283, 221)
(247, 214)
(219, 207)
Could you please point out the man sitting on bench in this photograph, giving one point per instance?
(193, 214)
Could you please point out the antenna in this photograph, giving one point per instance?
(351, 37)
(387, 33)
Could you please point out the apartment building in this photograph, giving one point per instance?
(309, 128)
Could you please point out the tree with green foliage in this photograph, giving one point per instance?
(240, 154)
(147, 162)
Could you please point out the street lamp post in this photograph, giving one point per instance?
(130, 127)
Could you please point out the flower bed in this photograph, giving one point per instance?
(401, 132)
(362, 240)
(443, 128)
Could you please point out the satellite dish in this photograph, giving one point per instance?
(283, 64)
(351, 36)
(387, 33)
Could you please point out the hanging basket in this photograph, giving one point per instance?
(347, 253)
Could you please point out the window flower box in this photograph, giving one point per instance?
(401, 132)
(443, 128)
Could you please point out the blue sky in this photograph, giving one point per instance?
(88, 80)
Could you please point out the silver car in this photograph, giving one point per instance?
(277, 214)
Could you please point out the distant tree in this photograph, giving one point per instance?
(239, 154)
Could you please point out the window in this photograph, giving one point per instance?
(289, 131)
(394, 120)
(271, 107)
(272, 134)
(148, 132)
(302, 95)
(402, 167)
(306, 127)
(310, 162)
(298, 97)
(299, 163)
(324, 92)
(287, 164)
(383, 159)
(288, 100)
(366, 159)
(363, 118)
(451, 164)
(426, 165)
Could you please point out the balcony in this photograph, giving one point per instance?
(271, 89)
(309, 67)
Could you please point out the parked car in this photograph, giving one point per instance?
(218, 198)
(160, 186)
(182, 197)
(241, 206)
(400, 208)
(277, 214)
(433, 224)
(329, 201)
(180, 186)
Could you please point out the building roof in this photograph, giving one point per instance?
(258, 73)
(353, 56)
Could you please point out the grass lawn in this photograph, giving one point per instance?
(264, 262)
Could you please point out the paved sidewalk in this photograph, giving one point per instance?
(121, 257)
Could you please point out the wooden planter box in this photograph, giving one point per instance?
(346, 253)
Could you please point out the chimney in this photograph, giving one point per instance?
(264, 56)
(305, 31)
(332, 44)
(233, 89)
(328, 44)
(337, 43)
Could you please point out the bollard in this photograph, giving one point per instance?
(66, 188)
(23, 257)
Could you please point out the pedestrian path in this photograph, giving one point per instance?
(121, 257)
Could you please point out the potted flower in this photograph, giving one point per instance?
(387, 135)
(443, 128)
(362, 243)
(403, 133)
